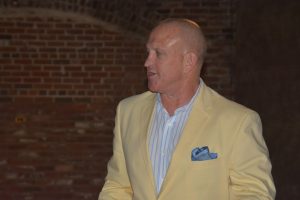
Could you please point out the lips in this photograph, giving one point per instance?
(150, 74)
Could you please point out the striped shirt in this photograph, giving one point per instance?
(164, 136)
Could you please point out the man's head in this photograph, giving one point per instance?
(176, 50)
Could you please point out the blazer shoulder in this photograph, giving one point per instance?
(223, 105)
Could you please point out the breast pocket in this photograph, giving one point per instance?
(208, 170)
(203, 164)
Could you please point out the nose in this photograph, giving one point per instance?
(148, 61)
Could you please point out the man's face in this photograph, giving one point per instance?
(164, 63)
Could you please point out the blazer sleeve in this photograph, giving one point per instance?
(250, 169)
(117, 185)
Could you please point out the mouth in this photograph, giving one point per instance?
(150, 74)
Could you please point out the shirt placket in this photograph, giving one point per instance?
(165, 142)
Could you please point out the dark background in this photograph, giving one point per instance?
(267, 79)
(65, 64)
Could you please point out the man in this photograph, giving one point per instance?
(182, 140)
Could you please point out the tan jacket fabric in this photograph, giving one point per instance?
(241, 171)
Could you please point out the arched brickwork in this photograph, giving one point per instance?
(136, 18)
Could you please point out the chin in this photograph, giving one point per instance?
(152, 88)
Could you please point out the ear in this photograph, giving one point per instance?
(189, 61)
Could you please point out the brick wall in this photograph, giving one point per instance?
(64, 66)
(60, 79)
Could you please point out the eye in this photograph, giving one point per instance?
(158, 53)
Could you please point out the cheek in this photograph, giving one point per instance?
(169, 69)
(174, 68)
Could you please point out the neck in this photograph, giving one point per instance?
(179, 98)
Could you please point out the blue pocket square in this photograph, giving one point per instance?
(202, 153)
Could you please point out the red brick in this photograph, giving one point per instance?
(28, 37)
(41, 74)
(52, 80)
(91, 80)
(28, 49)
(35, 31)
(74, 68)
(42, 86)
(85, 37)
(87, 62)
(71, 80)
(42, 61)
(12, 67)
(62, 86)
(74, 31)
(5, 61)
(79, 74)
(55, 31)
(47, 37)
(12, 79)
(6, 24)
(52, 68)
(15, 30)
(65, 38)
(64, 168)
(66, 50)
(32, 68)
(4, 74)
(32, 80)
(23, 61)
(20, 73)
(81, 86)
(8, 49)
(82, 25)
(63, 25)
(56, 44)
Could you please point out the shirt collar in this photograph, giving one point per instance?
(184, 107)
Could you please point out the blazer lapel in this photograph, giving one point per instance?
(196, 121)
(146, 115)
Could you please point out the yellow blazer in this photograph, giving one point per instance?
(241, 171)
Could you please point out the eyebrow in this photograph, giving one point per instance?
(157, 50)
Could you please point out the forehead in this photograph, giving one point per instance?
(163, 35)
